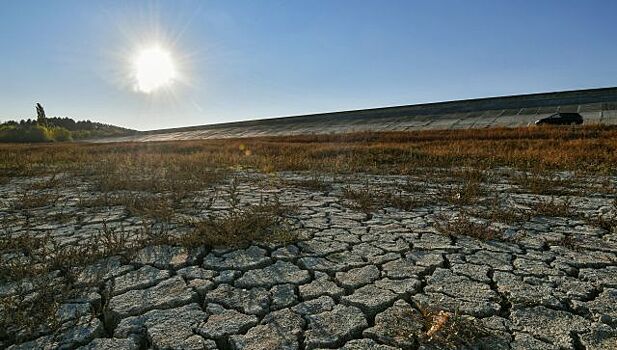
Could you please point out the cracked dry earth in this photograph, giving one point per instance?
(351, 280)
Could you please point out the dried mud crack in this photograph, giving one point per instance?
(341, 273)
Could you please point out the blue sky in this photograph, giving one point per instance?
(251, 59)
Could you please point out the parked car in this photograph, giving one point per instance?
(561, 119)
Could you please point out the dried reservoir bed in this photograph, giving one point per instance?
(493, 238)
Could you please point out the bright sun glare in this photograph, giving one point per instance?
(153, 68)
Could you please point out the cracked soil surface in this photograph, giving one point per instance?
(352, 279)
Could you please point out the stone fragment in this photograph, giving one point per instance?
(383, 258)
(401, 268)
(287, 252)
(553, 326)
(167, 294)
(453, 292)
(398, 326)
(102, 270)
(601, 337)
(321, 248)
(196, 272)
(432, 259)
(201, 286)
(522, 294)
(249, 301)
(282, 295)
(197, 342)
(572, 288)
(347, 259)
(110, 344)
(432, 241)
(333, 328)
(72, 311)
(171, 328)
(86, 329)
(241, 259)
(366, 249)
(280, 272)
(475, 272)
(314, 306)
(227, 276)
(583, 259)
(497, 261)
(397, 246)
(365, 344)
(524, 341)
(144, 277)
(535, 268)
(358, 277)
(370, 299)
(604, 307)
(405, 286)
(168, 257)
(605, 277)
(224, 322)
(43, 343)
(319, 287)
(320, 264)
(477, 308)
(278, 331)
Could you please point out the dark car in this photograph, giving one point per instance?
(561, 119)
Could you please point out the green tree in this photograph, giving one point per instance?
(41, 119)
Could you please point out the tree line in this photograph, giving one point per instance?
(49, 129)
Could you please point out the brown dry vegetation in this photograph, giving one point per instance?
(583, 149)
(50, 268)
(447, 330)
(463, 225)
(152, 180)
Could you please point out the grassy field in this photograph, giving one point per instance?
(580, 149)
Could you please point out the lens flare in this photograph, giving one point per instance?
(153, 69)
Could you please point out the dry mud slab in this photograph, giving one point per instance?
(353, 279)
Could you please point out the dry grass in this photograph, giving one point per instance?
(264, 222)
(607, 222)
(36, 254)
(31, 199)
(494, 210)
(542, 182)
(155, 207)
(463, 225)
(554, 207)
(467, 193)
(314, 183)
(37, 258)
(135, 165)
(49, 182)
(368, 199)
(571, 242)
(451, 330)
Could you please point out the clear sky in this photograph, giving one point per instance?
(238, 60)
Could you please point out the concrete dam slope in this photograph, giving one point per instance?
(597, 106)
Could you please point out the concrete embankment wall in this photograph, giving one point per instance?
(597, 106)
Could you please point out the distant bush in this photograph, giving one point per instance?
(78, 130)
(60, 134)
(33, 133)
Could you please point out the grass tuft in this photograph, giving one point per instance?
(451, 330)
(463, 225)
(554, 208)
(257, 223)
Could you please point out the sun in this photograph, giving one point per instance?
(153, 68)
